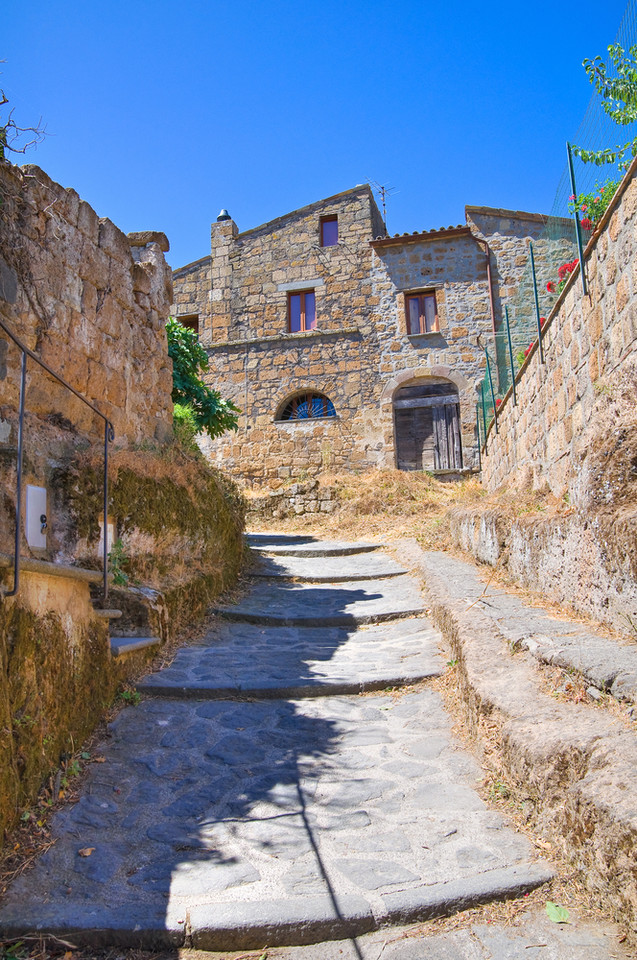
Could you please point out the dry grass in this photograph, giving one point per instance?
(389, 504)
(383, 504)
(568, 888)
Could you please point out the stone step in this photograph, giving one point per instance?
(120, 646)
(240, 925)
(106, 614)
(335, 569)
(236, 824)
(576, 759)
(345, 604)
(244, 659)
(279, 544)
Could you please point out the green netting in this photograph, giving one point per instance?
(556, 247)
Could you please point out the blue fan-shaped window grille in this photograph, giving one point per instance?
(308, 406)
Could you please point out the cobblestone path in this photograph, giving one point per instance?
(255, 796)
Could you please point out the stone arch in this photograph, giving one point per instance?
(424, 373)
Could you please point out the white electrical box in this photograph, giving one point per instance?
(110, 537)
(36, 518)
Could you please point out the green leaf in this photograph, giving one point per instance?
(209, 411)
(557, 914)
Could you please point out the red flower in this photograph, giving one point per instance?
(550, 287)
(597, 199)
(584, 208)
(587, 223)
(566, 269)
(542, 321)
(498, 401)
(528, 349)
(572, 196)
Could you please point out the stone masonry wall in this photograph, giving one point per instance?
(360, 352)
(241, 291)
(453, 266)
(90, 302)
(587, 341)
(297, 499)
(259, 365)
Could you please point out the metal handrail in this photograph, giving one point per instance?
(109, 436)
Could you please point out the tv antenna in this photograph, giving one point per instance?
(384, 191)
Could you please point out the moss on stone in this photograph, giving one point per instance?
(184, 523)
(157, 497)
(52, 689)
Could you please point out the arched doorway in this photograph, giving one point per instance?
(427, 426)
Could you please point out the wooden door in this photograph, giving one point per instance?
(427, 432)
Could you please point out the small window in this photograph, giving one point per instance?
(329, 231)
(421, 313)
(191, 321)
(301, 311)
(308, 406)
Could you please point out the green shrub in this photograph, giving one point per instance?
(210, 412)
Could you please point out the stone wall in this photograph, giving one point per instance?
(55, 680)
(361, 352)
(293, 500)
(240, 291)
(258, 364)
(587, 340)
(180, 526)
(452, 264)
(576, 562)
(91, 302)
(574, 433)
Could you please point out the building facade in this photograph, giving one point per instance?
(347, 349)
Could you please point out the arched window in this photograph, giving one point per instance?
(307, 406)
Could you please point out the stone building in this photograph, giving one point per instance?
(346, 348)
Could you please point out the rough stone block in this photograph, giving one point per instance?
(113, 241)
(144, 237)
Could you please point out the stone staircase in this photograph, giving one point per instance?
(291, 778)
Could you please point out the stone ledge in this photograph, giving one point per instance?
(286, 337)
(571, 764)
(29, 565)
(105, 614)
(120, 646)
(142, 238)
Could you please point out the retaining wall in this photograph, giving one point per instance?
(587, 340)
(90, 301)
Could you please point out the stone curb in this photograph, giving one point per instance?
(572, 763)
(278, 923)
(327, 578)
(316, 550)
(325, 688)
(252, 925)
(338, 620)
(85, 925)
(443, 899)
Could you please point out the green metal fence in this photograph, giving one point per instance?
(583, 191)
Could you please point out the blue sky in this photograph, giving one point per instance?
(161, 113)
